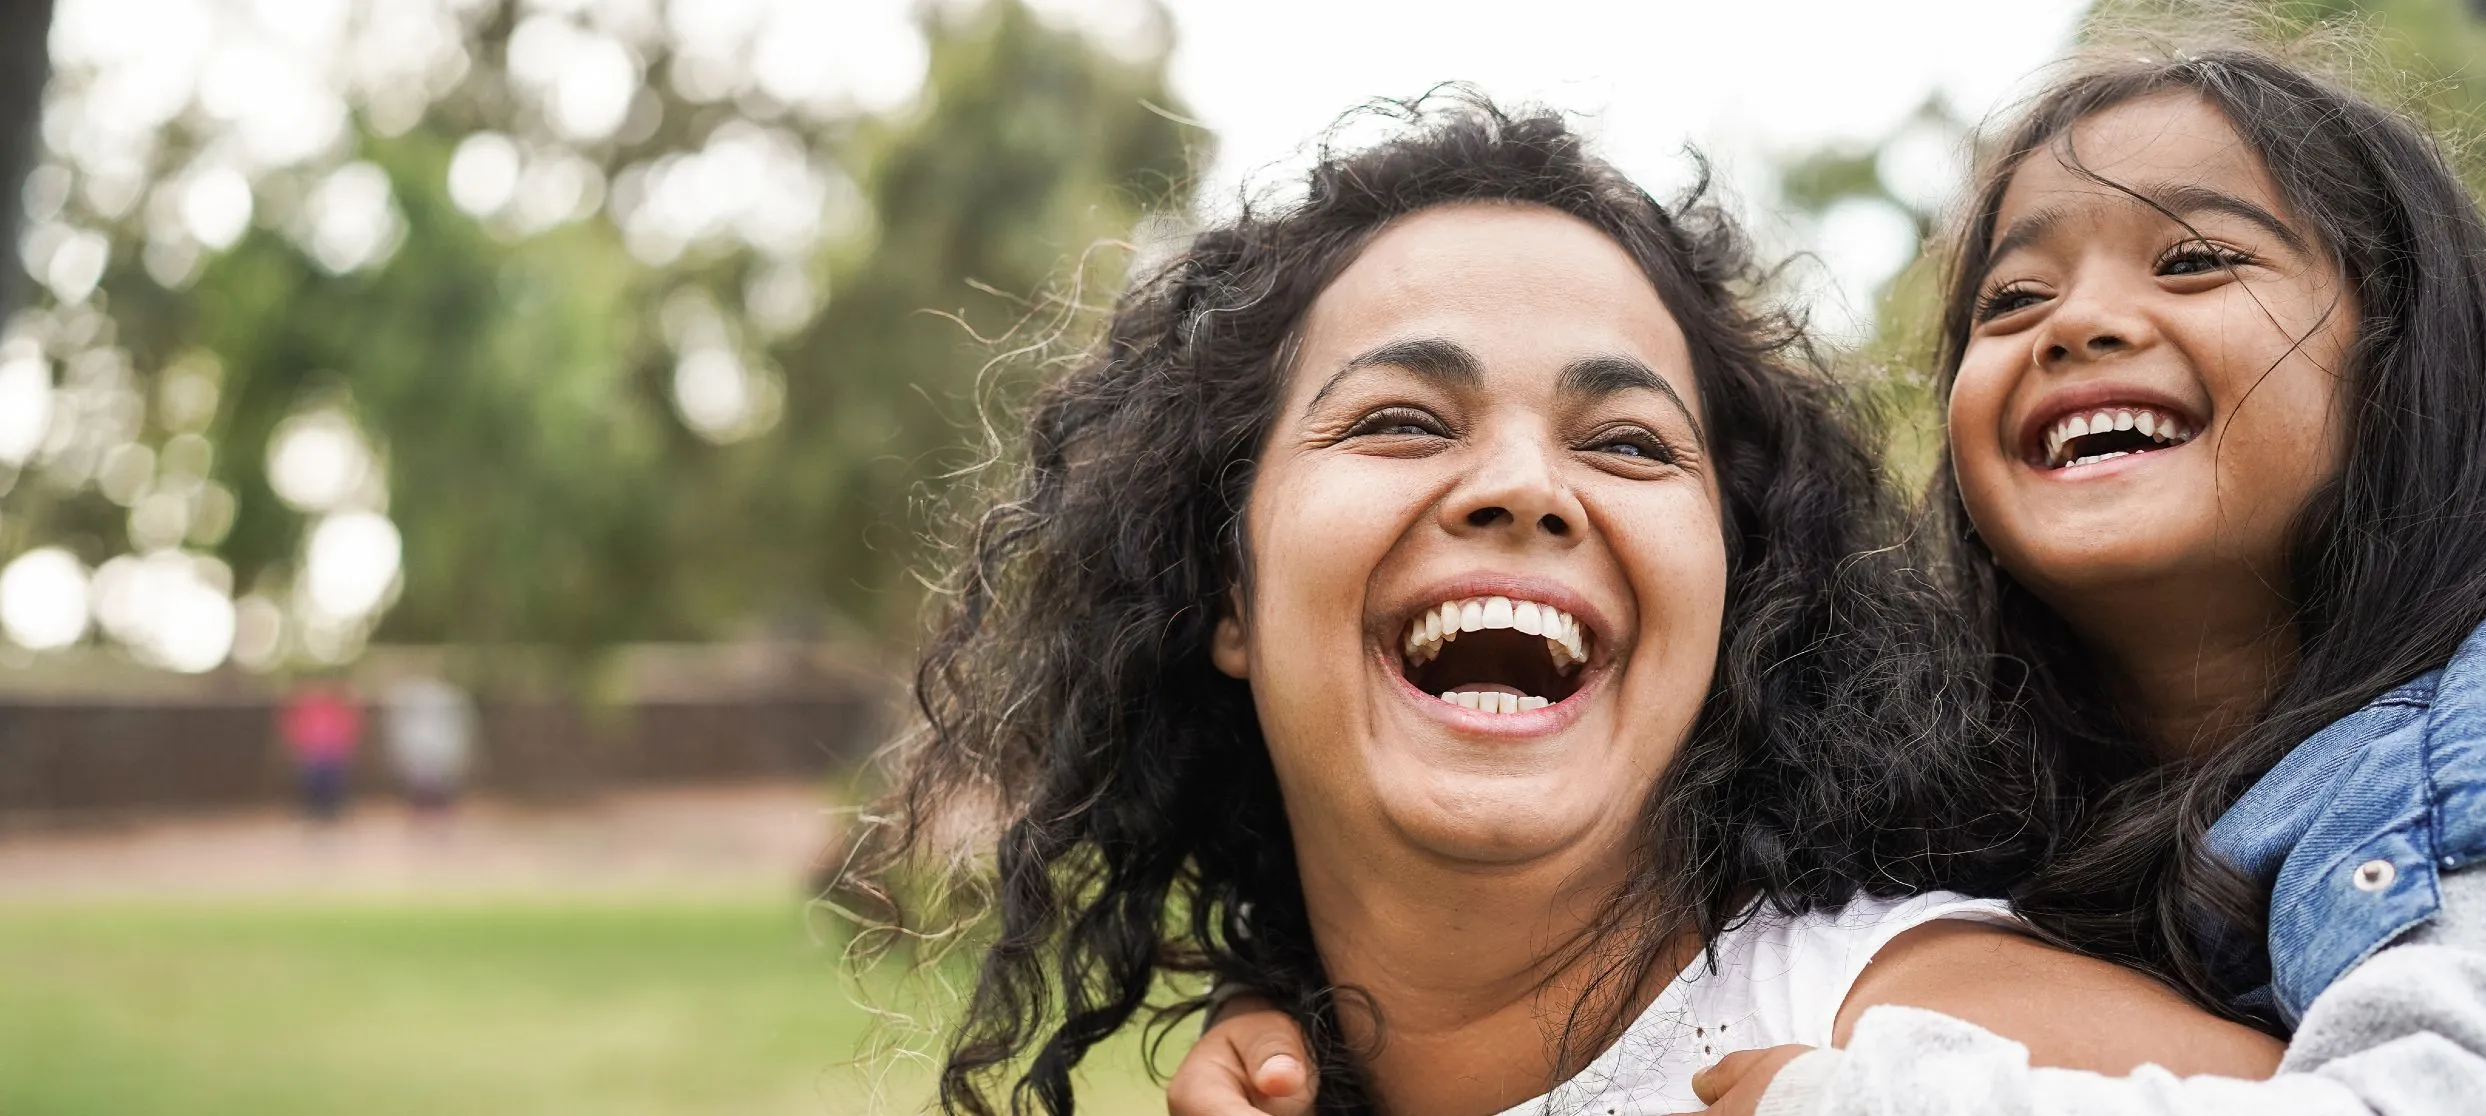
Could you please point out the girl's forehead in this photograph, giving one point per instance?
(2162, 152)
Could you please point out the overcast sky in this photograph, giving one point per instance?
(1744, 79)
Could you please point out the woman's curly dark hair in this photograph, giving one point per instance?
(1069, 677)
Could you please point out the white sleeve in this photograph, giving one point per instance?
(2403, 1034)
(1827, 955)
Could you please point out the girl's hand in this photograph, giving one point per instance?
(1734, 1086)
(1251, 1063)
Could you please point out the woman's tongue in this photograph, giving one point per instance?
(1490, 688)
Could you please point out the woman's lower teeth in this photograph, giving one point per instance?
(1489, 701)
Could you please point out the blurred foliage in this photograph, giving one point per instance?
(523, 388)
(524, 385)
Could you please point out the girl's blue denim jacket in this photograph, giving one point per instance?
(2352, 831)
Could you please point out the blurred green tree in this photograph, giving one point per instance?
(545, 348)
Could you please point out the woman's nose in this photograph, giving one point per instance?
(1516, 491)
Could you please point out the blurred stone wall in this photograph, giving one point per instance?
(99, 753)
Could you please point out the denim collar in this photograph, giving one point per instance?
(2351, 829)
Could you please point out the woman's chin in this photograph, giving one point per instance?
(1498, 820)
(1501, 789)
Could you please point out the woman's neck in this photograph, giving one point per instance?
(1474, 973)
(2201, 667)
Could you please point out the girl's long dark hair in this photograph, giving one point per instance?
(2388, 563)
(1068, 683)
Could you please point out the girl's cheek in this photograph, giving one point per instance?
(1971, 420)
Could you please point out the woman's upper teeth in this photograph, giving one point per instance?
(2158, 426)
(1565, 639)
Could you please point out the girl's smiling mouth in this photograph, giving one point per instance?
(2103, 423)
(2106, 433)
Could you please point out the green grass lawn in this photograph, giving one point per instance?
(611, 1008)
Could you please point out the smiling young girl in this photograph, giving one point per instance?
(2215, 364)
(1475, 421)
(2215, 368)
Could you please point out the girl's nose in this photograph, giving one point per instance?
(2092, 324)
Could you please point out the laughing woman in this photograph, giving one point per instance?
(1440, 604)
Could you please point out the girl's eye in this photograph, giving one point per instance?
(1399, 422)
(2005, 299)
(2200, 257)
(1633, 442)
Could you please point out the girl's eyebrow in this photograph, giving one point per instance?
(2024, 232)
(2184, 199)
(2176, 202)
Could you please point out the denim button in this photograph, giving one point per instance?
(2374, 875)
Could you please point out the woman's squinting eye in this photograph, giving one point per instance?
(1399, 422)
(2200, 257)
(1632, 441)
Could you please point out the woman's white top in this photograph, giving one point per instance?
(1779, 979)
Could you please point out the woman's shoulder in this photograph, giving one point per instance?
(1771, 978)
(1857, 928)
(1789, 972)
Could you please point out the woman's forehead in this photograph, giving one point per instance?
(1514, 281)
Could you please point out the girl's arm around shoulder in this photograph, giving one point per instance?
(2403, 1034)
(2070, 1011)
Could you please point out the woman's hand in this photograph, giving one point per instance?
(1733, 1087)
(1250, 1063)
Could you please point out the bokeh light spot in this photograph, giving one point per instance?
(43, 599)
(316, 460)
(352, 564)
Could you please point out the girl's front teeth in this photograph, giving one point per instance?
(2156, 430)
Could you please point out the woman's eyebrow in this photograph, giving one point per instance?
(1438, 359)
(1593, 378)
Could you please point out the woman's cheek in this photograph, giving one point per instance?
(1673, 549)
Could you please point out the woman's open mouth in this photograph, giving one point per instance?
(1495, 654)
(2106, 433)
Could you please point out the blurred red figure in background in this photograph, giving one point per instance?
(321, 725)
